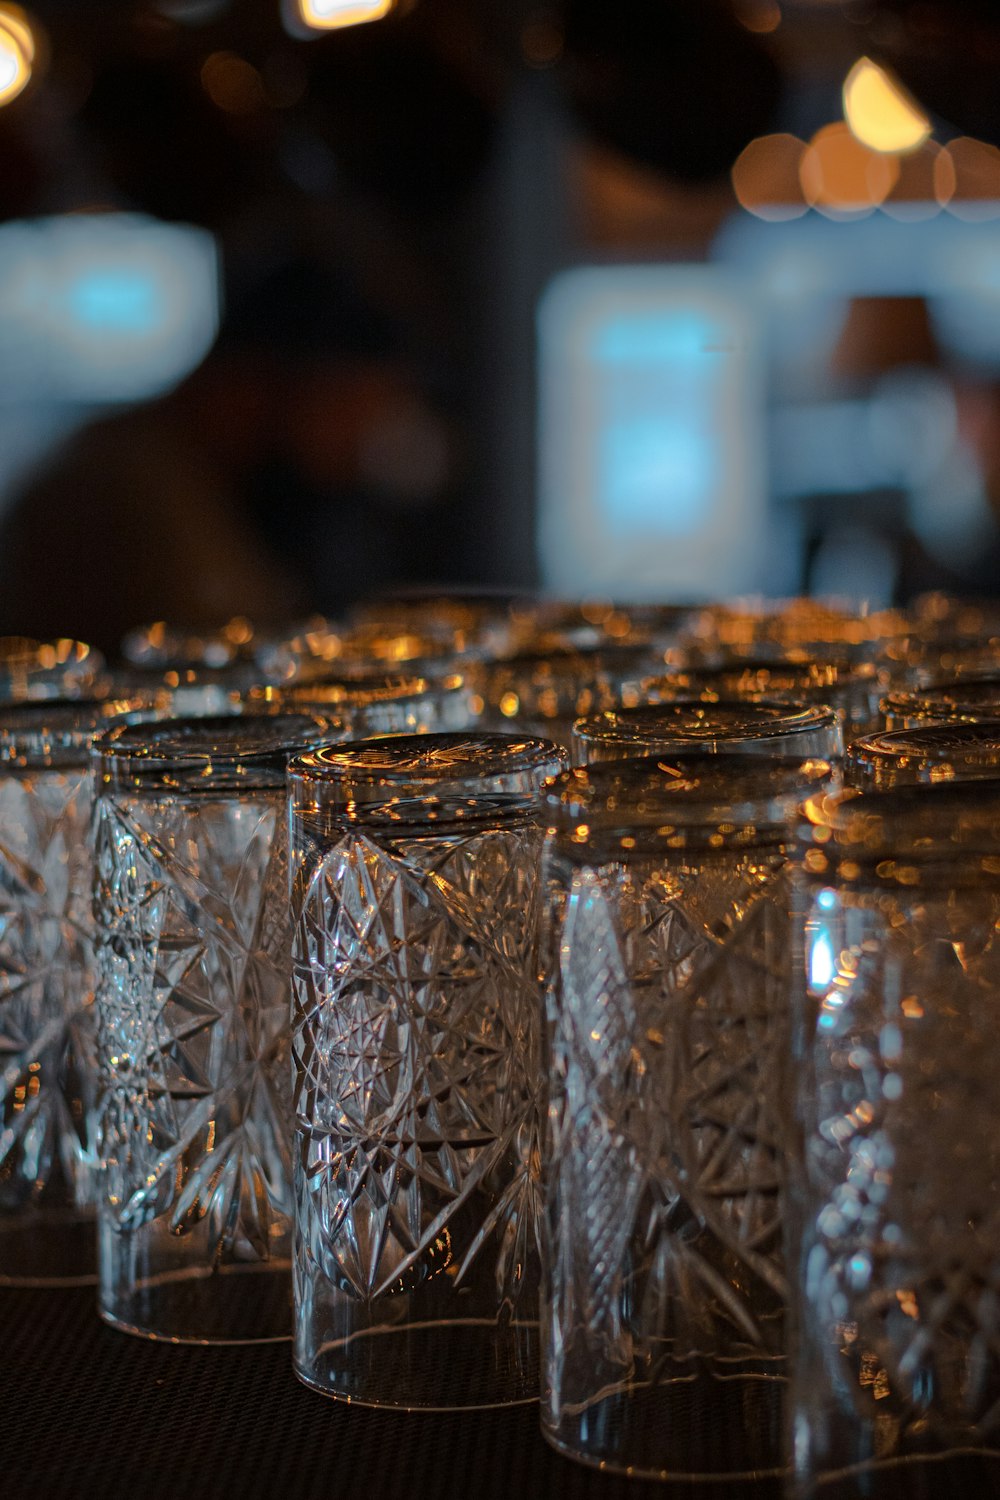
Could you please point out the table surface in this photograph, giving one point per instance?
(87, 1411)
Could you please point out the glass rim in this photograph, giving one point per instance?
(689, 792)
(724, 722)
(438, 766)
(921, 823)
(204, 754)
(354, 692)
(62, 731)
(939, 751)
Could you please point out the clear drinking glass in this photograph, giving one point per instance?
(193, 961)
(47, 1065)
(691, 725)
(852, 688)
(933, 753)
(665, 1288)
(48, 669)
(966, 697)
(544, 692)
(416, 1036)
(894, 1218)
(383, 704)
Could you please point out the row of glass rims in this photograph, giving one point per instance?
(624, 1072)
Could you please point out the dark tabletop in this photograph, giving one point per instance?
(87, 1411)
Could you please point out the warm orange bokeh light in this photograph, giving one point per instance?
(843, 178)
(924, 184)
(17, 52)
(765, 177)
(976, 171)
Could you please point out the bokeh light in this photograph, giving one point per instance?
(766, 177)
(17, 52)
(843, 178)
(879, 111)
(759, 16)
(925, 182)
(332, 15)
(233, 84)
(975, 167)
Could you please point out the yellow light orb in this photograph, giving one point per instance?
(879, 111)
(17, 52)
(332, 15)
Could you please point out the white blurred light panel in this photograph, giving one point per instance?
(104, 307)
(651, 433)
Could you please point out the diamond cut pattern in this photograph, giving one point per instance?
(46, 991)
(193, 955)
(902, 1273)
(415, 1042)
(667, 1022)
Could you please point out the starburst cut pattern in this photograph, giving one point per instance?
(667, 1022)
(903, 1280)
(46, 991)
(192, 955)
(416, 1052)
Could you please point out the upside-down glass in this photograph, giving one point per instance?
(667, 1013)
(383, 704)
(544, 692)
(48, 669)
(852, 688)
(193, 961)
(965, 697)
(784, 730)
(895, 1210)
(47, 1064)
(933, 753)
(416, 1036)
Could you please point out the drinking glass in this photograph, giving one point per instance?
(690, 725)
(47, 1065)
(48, 669)
(852, 688)
(933, 753)
(544, 692)
(966, 697)
(193, 961)
(894, 1216)
(383, 704)
(665, 1285)
(416, 1036)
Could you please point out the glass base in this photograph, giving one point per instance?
(694, 1426)
(968, 1473)
(249, 1304)
(48, 1248)
(467, 1364)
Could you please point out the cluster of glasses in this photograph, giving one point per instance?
(509, 998)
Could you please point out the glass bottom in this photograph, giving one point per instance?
(236, 1304)
(696, 1424)
(461, 1364)
(40, 1247)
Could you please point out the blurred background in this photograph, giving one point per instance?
(305, 300)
